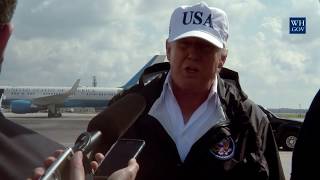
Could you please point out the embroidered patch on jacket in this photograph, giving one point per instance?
(224, 149)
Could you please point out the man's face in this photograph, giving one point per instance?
(194, 63)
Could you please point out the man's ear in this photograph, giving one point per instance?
(5, 32)
(168, 50)
(223, 58)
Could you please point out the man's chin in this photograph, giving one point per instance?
(191, 86)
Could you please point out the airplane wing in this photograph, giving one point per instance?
(56, 99)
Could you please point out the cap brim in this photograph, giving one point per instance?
(199, 34)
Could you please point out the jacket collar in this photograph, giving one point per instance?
(229, 89)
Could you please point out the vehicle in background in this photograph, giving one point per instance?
(286, 131)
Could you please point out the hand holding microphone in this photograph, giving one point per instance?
(77, 170)
(107, 127)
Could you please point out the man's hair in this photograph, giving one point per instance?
(7, 8)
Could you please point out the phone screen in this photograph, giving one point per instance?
(119, 155)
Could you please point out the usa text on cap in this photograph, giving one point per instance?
(208, 23)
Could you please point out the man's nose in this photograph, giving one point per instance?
(194, 52)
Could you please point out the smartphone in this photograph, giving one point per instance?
(119, 155)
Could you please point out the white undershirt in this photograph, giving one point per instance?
(167, 111)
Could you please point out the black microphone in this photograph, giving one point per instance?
(87, 141)
(117, 118)
(107, 127)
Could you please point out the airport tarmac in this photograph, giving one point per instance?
(66, 129)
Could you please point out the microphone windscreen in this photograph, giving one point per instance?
(118, 117)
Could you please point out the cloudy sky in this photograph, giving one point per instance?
(56, 42)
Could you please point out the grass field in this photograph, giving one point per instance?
(291, 115)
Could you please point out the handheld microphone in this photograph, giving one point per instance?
(117, 118)
(107, 127)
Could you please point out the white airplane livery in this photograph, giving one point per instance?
(33, 99)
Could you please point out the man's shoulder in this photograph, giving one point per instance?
(229, 85)
(149, 88)
(150, 83)
(232, 95)
(227, 73)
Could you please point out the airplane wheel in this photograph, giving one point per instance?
(51, 115)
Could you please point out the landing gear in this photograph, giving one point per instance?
(50, 114)
(53, 111)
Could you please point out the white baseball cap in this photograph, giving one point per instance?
(208, 23)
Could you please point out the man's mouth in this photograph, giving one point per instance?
(191, 70)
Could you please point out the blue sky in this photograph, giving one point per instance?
(56, 42)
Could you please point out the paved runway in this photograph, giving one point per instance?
(65, 130)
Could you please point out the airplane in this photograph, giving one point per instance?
(23, 100)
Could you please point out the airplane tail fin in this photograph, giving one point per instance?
(74, 88)
(56, 99)
(135, 79)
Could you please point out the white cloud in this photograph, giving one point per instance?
(56, 42)
(273, 25)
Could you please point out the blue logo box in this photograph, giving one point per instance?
(297, 25)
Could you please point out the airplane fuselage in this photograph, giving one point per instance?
(32, 99)
(18, 98)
